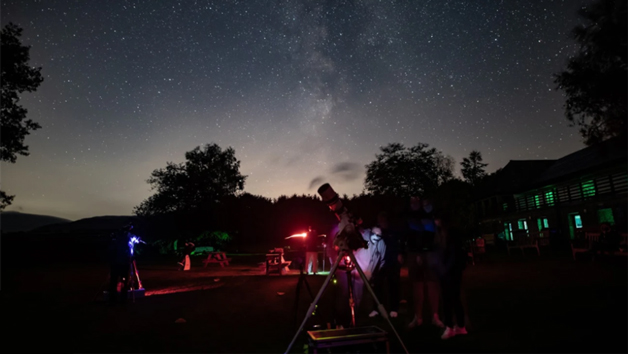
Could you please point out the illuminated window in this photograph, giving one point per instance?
(578, 221)
(537, 201)
(606, 215)
(523, 224)
(505, 206)
(542, 223)
(588, 189)
(549, 198)
(507, 231)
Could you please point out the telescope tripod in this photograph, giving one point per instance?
(132, 281)
(302, 280)
(342, 254)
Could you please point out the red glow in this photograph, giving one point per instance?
(298, 235)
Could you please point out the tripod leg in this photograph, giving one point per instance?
(137, 275)
(308, 288)
(351, 299)
(296, 297)
(380, 307)
(313, 305)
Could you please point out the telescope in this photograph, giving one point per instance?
(348, 237)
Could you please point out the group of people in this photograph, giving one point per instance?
(436, 260)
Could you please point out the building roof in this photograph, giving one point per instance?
(521, 175)
(589, 159)
(513, 177)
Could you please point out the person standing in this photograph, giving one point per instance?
(450, 268)
(189, 247)
(420, 241)
(120, 259)
(311, 251)
(389, 277)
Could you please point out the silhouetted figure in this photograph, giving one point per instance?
(420, 241)
(388, 278)
(609, 241)
(120, 259)
(311, 251)
(452, 261)
(188, 248)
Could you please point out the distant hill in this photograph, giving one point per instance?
(96, 224)
(13, 221)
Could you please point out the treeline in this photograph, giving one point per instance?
(255, 223)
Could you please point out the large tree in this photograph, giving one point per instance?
(401, 171)
(596, 79)
(208, 175)
(17, 77)
(473, 168)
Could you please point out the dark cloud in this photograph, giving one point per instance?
(315, 182)
(347, 171)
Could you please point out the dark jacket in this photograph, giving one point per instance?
(393, 241)
(312, 241)
(119, 249)
(452, 257)
(419, 234)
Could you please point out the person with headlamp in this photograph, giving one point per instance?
(120, 258)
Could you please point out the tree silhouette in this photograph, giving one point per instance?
(208, 175)
(473, 168)
(596, 78)
(403, 172)
(17, 77)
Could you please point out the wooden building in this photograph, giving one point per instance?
(562, 198)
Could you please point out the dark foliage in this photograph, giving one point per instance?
(596, 79)
(473, 168)
(404, 172)
(17, 77)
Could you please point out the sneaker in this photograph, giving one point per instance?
(460, 330)
(393, 314)
(437, 322)
(415, 322)
(373, 313)
(449, 332)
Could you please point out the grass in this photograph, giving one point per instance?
(515, 304)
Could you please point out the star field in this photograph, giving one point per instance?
(297, 88)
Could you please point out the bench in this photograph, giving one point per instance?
(217, 257)
(523, 241)
(584, 245)
(275, 261)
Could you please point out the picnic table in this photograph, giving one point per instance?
(584, 245)
(217, 257)
(275, 261)
(524, 240)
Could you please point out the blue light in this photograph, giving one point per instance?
(134, 240)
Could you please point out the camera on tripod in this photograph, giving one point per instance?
(348, 237)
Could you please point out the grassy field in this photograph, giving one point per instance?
(515, 304)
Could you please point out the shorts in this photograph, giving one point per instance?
(419, 270)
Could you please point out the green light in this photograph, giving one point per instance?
(540, 223)
(537, 201)
(578, 221)
(335, 281)
(549, 198)
(588, 189)
(606, 215)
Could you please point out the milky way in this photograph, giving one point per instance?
(305, 92)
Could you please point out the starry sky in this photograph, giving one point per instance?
(304, 91)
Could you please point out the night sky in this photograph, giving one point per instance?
(299, 89)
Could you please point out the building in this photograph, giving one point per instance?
(563, 197)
